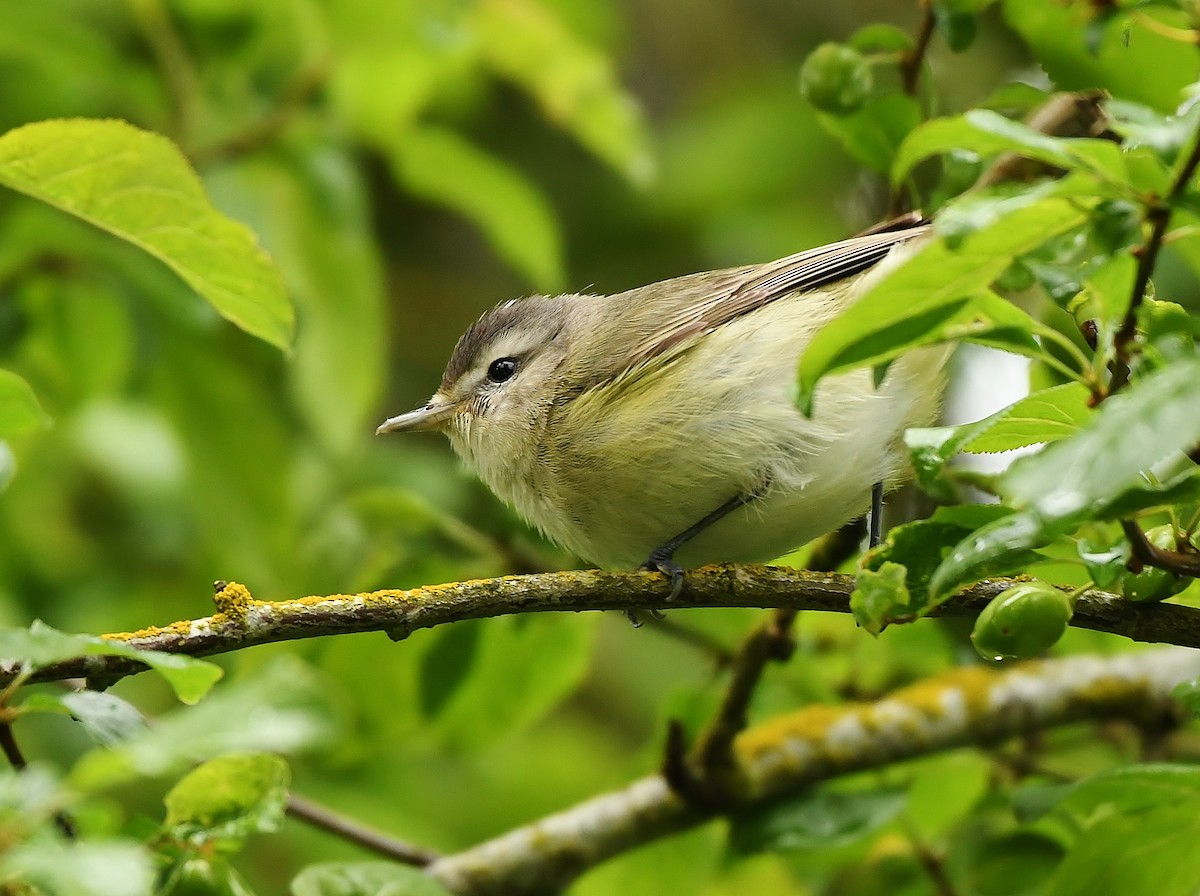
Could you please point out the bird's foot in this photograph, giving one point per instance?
(663, 560)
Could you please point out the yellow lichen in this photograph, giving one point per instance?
(233, 601)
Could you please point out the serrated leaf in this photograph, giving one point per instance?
(439, 165)
(1130, 432)
(914, 298)
(1081, 477)
(106, 717)
(139, 187)
(364, 879)
(19, 409)
(921, 547)
(1041, 417)
(879, 595)
(1044, 416)
(227, 799)
(40, 646)
(988, 133)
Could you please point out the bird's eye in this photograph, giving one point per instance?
(502, 369)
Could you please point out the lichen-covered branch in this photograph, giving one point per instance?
(968, 706)
(244, 622)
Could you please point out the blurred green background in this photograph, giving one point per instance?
(408, 164)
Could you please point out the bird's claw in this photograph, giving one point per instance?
(663, 561)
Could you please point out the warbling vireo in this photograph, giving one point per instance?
(655, 427)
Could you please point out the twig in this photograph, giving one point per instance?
(1158, 216)
(932, 863)
(713, 762)
(914, 59)
(399, 613)
(970, 706)
(12, 752)
(261, 131)
(377, 842)
(168, 50)
(1150, 555)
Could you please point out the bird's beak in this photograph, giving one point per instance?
(429, 418)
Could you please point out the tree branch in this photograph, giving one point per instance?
(244, 622)
(967, 706)
(348, 829)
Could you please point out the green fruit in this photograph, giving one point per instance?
(1022, 621)
(836, 79)
(1153, 584)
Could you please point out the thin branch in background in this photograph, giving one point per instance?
(1144, 553)
(713, 762)
(914, 60)
(932, 864)
(1158, 216)
(171, 56)
(377, 842)
(260, 132)
(12, 752)
(968, 706)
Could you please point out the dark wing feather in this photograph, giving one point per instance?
(727, 296)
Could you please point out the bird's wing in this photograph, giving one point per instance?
(691, 306)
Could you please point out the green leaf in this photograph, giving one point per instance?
(227, 799)
(138, 186)
(94, 868)
(879, 595)
(311, 208)
(574, 84)
(1131, 789)
(494, 696)
(1129, 60)
(364, 879)
(921, 547)
(1148, 852)
(1188, 694)
(438, 165)
(931, 290)
(106, 717)
(874, 132)
(40, 646)
(825, 819)
(1044, 416)
(1080, 477)
(447, 664)
(988, 133)
(279, 710)
(1132, 431)
(1017, 863)
(19, 409)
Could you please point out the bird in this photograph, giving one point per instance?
(656, 428)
